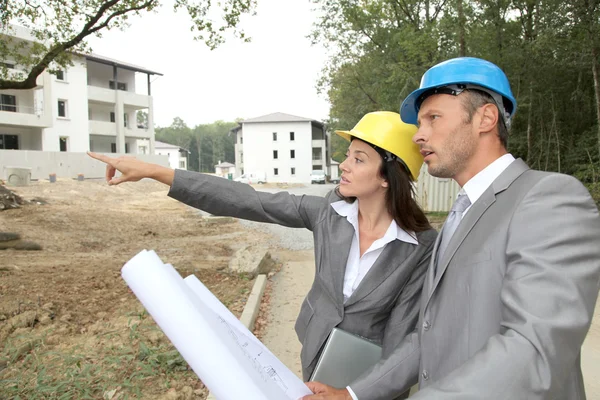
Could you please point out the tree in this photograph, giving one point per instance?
(194, 157)
(207, 143)
(549, 49)
(60, 29)
(178, 134)
(142, 119)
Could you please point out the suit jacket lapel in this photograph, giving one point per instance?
(430, 277)
(387, 262)
(342, 233)
(468, 222)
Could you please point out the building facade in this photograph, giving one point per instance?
(225, 169)
(178, 156)
(92, 105)
(284, 147)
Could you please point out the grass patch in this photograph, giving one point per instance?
(436, 219)
(436, 214)
(136, 361)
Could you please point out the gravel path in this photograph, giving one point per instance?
(291, 238)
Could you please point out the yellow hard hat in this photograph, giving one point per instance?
(386, 130)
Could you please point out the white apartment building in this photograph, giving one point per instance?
(178, 156)
(284, 147)
(92, 105)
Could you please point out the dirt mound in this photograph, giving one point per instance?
(9, 199)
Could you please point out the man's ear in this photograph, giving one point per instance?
(489, 117)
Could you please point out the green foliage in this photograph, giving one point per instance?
(594, 189)
(60, 29)
(208, 143)
(379, 50)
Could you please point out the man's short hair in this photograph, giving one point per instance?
(475, 99)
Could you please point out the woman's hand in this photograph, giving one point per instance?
(132, 169)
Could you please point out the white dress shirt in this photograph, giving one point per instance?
(357, 266)
(478, 184)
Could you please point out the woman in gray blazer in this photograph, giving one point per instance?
(372, 242)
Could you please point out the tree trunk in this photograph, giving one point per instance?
(529, 116)
(498, 24)
(462, 51)
(595, 73)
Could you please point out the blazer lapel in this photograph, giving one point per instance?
(340, 241)
(384, 266)
(468, 222)
(430, 277)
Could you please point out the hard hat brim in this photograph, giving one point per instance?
(408, 110)
(348, 135)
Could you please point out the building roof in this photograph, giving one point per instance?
(333, 162)
(224, 164)
(26, 34)
(120, 64)
(279, 117)
(163, 145)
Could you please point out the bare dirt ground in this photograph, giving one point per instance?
(69, 326)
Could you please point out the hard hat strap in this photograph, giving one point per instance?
(389, 157)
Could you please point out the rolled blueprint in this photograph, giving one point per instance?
(225, 355)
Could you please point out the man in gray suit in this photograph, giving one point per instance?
(511, 289)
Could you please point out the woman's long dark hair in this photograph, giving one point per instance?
(399, 198)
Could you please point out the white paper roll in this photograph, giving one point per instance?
(222, 354)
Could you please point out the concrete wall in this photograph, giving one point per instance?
(258, 146)
(64, 165)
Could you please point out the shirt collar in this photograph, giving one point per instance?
(478, 184)
(350, 211)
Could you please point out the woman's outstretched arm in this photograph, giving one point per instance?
(132, 169)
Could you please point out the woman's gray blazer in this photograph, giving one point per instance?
(384, 307)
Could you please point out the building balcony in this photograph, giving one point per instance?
(102, 128)
(134, 100)
(101, 95)
(140, 133)
(318, 143)
(14, 115)
(105, 128)
(109, 96)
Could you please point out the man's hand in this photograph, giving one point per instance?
(324, 392)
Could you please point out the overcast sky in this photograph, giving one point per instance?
(276, 72)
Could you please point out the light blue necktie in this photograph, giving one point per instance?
(454, 217)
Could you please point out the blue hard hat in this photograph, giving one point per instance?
(468, 71)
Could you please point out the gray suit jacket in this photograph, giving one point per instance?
(512, 301)
(383, 308)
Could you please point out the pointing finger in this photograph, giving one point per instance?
(101, 157)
